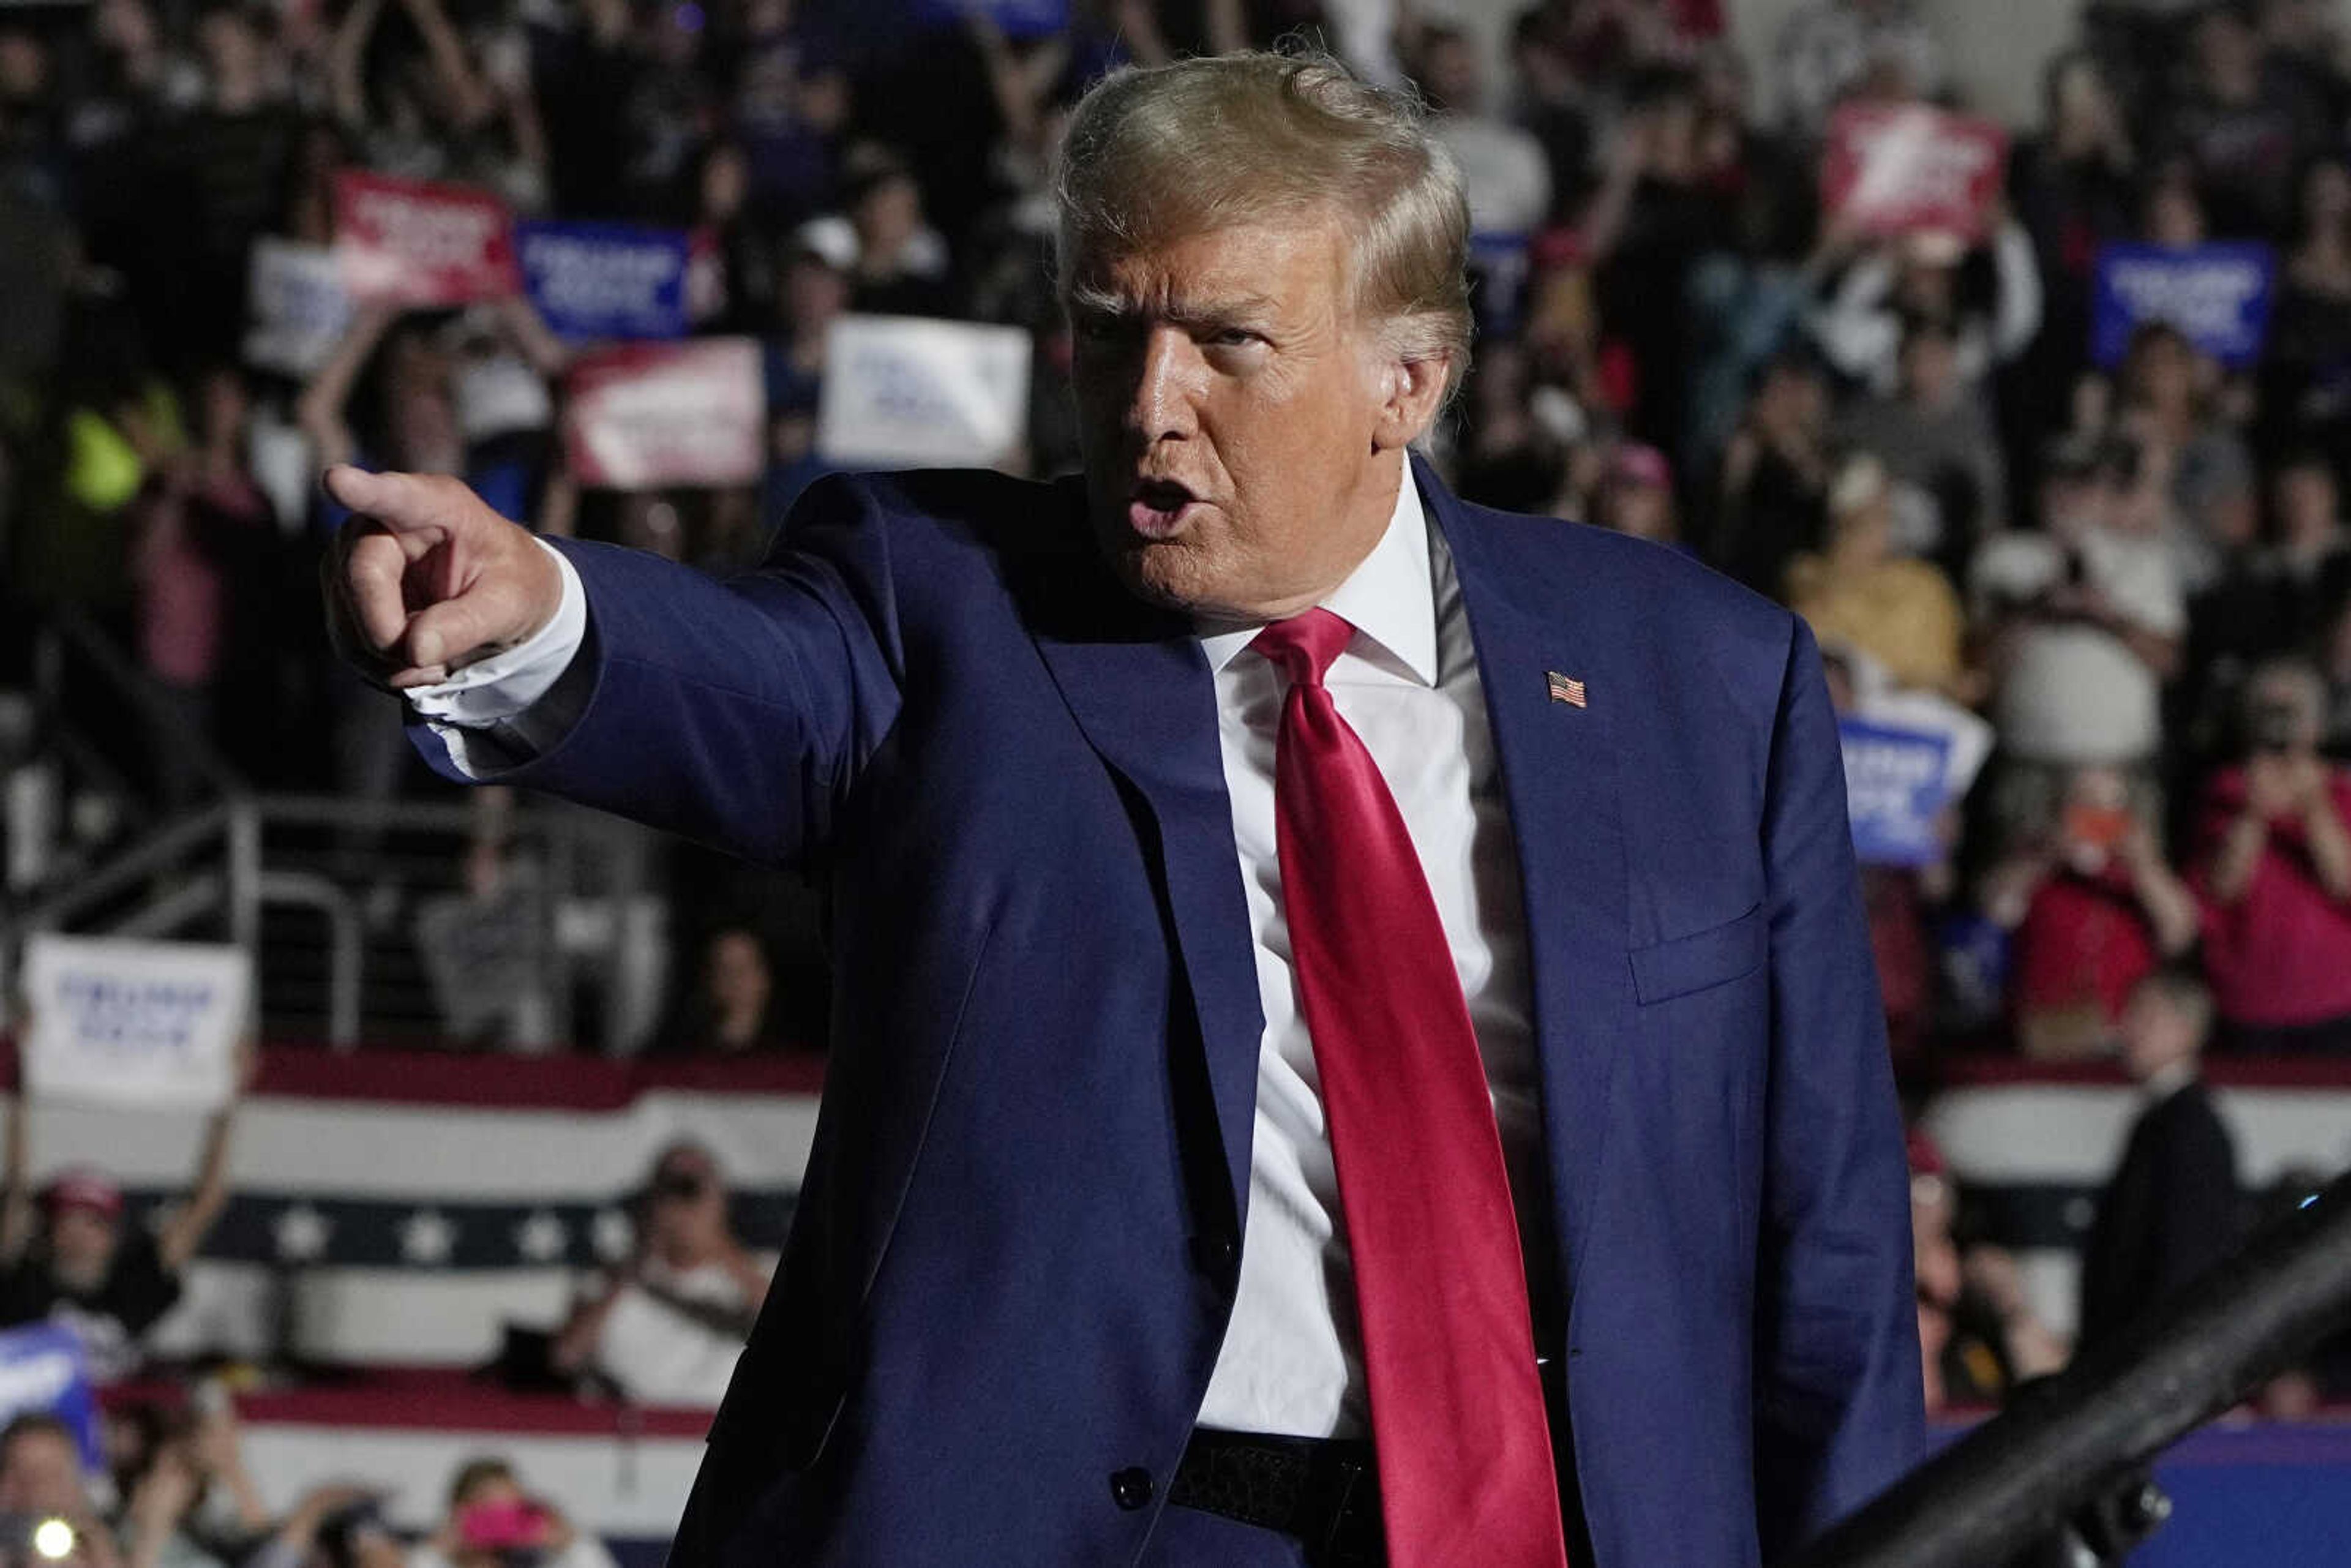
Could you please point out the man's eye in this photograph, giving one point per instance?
(1098, 328)
(1232, 338)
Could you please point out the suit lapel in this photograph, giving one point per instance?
(1139, 687)
(1558, 764)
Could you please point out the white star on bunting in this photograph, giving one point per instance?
(301, 1233)
(427, 1237)
(542, 1237)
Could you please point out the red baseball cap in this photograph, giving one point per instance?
(80, 1186)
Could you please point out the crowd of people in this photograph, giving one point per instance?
(2136, 572)
(2130, 570)
(171, 1488)
(159, 1480)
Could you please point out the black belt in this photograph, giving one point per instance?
(1326, 1492)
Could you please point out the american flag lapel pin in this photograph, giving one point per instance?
(1564, 688)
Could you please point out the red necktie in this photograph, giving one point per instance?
(1457, 1419)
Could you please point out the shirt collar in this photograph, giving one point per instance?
(1389, 598)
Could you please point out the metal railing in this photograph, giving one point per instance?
(2080, 1441)
(366, 919)
(336, 899)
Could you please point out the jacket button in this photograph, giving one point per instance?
(1131, 1487)
(1214, 1254)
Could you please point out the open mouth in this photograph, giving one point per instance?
(1156, 509)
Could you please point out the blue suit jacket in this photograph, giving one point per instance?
(1016, 1246)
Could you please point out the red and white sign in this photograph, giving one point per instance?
(652, 415)
(1904, 169)
(412, 242)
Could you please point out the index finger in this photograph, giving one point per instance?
(403, 503)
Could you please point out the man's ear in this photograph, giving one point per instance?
(1415, 391)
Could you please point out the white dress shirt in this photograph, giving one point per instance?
(1407, 683)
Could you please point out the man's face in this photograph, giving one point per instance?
(2167, 372)
(1240, 453)
(40, 1473)
(2071, 503)
(1643, 510)
(24, 68)
(686, 1202)
(888, 216)
(231, 54)
(813, 294)
(2285, 716)
(1452, 77)
(81, 1243)
(739, 971)
(2157, 1033)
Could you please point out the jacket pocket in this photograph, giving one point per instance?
(1713, 956)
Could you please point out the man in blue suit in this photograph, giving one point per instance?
(1355, 1039)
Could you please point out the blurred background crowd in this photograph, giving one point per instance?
(2094, 553)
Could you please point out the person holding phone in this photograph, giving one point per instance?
(667, 1326)
(2273, 870)
(2095, 908)
(493, 1523)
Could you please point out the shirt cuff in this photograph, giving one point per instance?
(516, 704)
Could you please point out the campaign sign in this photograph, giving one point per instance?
(134, 1023)
(646, 415)
(1895, 785)
(416, 243)
(900, 392)
(1901, 169)
(42, 1369)
(1013, 18)
(296, 306)
(606, 280)
(2218, 296)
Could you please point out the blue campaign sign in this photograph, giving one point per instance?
(592, 281)
(43, 1368)
(1894, 787)
(2217, 295)
(1014, 18)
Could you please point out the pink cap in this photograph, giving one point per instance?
(82, 1187)
(1639, 465)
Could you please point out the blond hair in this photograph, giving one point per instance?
(1162, 154)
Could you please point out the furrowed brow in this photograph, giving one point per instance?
(1239, 310)
(1242, 310)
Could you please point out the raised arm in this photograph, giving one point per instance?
(1839, 1410)
(346, 63)
(16, 1186)
(470, 102)
(323, 410)
(738, 713)
(178, 1241)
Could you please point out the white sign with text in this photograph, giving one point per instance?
(900, 392)
(151, 1024)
